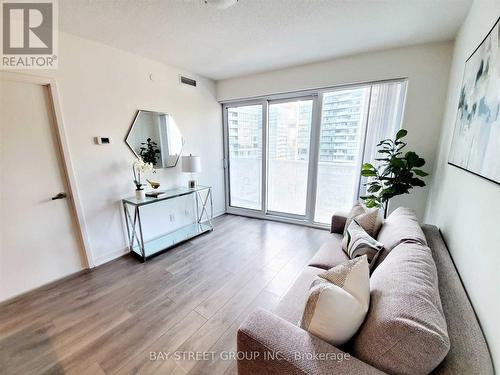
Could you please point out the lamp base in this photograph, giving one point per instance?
(192, 184)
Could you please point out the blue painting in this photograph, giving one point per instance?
(476, 140)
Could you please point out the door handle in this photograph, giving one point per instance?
(59, 196)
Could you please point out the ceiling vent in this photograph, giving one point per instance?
(188, 81)
(221, 4)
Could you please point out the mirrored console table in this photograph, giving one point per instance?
(145, 249)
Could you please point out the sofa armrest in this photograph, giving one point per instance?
(339, 220)
(268, 344)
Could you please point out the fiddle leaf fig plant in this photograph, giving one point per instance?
(395, 172)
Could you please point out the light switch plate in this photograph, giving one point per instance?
(102, 140)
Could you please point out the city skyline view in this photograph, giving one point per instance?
(346, 116)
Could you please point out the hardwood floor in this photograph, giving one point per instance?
(189, 300)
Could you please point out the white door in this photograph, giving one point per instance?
(38, 240)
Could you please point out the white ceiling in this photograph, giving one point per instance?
(259, 35)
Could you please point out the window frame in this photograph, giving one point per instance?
(317, 96)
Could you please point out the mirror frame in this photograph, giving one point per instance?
(132, 126)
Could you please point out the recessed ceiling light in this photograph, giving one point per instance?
(221, 4)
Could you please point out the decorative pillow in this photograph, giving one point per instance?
(356, 210)
(357, 243)
(338, 302)
(368, 218)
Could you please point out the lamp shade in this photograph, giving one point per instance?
(191, 164)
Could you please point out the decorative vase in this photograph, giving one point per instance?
(140, 194)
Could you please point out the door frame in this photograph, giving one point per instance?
(62, 148)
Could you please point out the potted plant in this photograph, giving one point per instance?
(395, 174)
(138, 168)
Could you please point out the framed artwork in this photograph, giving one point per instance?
(476, 140)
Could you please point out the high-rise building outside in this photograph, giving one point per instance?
(340, 129)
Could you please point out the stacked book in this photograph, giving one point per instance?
(156, 194)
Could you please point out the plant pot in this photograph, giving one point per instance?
(140, 194)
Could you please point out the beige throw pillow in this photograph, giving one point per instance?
(338, 302)
(368, 218)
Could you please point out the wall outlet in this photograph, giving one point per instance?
(172, 217)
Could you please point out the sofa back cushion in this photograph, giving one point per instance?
(405, 330)
(401, 226)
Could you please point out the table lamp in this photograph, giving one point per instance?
(191, 164)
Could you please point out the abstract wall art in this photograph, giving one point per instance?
(476, 140)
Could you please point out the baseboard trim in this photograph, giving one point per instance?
(108, 257)
(43, 287)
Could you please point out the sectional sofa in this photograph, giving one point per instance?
(420, 318)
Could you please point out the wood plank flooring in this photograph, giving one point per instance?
(189, 300)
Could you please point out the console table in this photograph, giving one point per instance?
(144, 250)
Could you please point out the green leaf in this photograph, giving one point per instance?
(374, 188)
(420, 172)
(368, 166)
(401, 133)
(417, 182)
(371, 196)
(370, 203)
(411, 159)
(420, 162)
(368, 173)
(397, 163)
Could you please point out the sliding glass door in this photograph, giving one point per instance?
(244, 146)
(289, 137)
(297, 158)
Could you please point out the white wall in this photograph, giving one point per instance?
(464, 206)
(101, 88)
(425, 66)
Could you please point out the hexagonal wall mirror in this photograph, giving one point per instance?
(155, 137)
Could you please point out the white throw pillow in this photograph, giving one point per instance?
(338, 302)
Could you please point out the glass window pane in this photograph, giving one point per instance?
(289, 137)
(342, 129)
(245, 156)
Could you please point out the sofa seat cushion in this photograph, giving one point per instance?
(405, 330)
(330, 254)
(293, 302)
